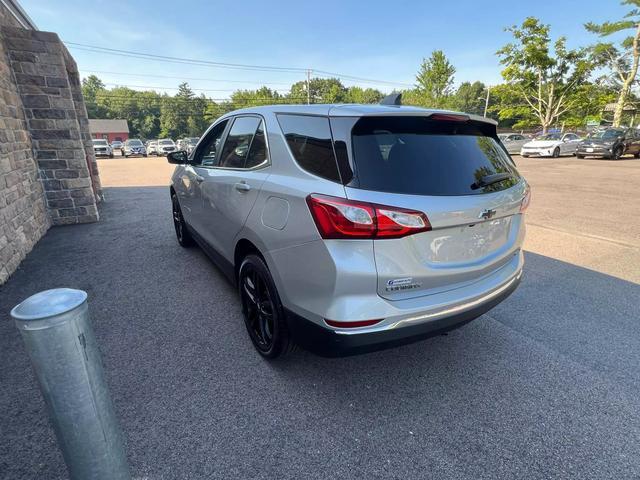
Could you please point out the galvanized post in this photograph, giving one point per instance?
(57, 334)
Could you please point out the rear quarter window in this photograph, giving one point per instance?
(310, 142)
(419, 156)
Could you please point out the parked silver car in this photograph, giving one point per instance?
(513, 142)
(349, 228)
(134, 146)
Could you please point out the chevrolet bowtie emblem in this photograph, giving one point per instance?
(487, 213)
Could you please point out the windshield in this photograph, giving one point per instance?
(134, 143)
(100, 142)
(604, 134)
(418, 156)
(165, 142)
(549, 136)
(192, 141)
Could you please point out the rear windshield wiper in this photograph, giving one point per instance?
(490, 180)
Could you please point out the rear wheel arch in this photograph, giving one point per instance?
(243, 248)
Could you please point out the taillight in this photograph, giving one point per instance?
(341, 218)
(526, 200)
(449, 117)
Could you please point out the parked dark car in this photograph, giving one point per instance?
(610, 143)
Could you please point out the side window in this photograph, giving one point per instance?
(258, 150)
(206, 155)
(309, 139)
(236, 147)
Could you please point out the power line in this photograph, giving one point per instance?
(237, 66)
(175, 88)
(183, 78)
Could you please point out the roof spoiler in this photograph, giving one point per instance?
(392, 99)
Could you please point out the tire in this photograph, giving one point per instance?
(617, 153)
(182, 232)
(262, 310)
(144, 155)
(111, 155)
(636, 155)
(556, 152)
(579, 156)
(525, 156)
(126, 156)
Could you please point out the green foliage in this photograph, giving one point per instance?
(622, 58)
(434, 81)
(543, 73)
(469, 98)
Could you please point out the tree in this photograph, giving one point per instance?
(507, 106)
(543, 76)
(321, 90)
(362, 95)
(624, 58)
(90, 88)
(434, 81)
(470, 98)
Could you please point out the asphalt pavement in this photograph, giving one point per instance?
(546, 385)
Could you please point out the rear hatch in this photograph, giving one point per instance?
(452, 169)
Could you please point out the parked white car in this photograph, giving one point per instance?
(551, 145)
(101, 148)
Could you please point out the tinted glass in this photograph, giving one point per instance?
(206, 155)
(607, 134)
(236, 146)
(418, 156)
(549, 136)
(134, 143)
(165, 142)
(99, 142)
(309, 139)
(258, 150)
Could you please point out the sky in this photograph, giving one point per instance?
(379, 41)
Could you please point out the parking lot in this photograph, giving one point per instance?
(546, 385)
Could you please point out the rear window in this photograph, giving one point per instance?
(419, 156)
(309, 139)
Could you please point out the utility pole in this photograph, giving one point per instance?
(486, 102)
(308, 86)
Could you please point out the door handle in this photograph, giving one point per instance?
(199, 179)
(242, 186)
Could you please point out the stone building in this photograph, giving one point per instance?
(48, 173)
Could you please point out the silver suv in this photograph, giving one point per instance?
(349, 228)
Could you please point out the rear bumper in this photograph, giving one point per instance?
(334, 343)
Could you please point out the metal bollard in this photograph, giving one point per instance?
(55, 327)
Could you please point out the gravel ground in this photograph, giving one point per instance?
(546, 385)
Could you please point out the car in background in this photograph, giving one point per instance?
(191, 143)
(134, 146)
(165, 146)
(101, 148)
(551, 145)
(413, 230)
(513, 142)
(610, 143)
(152, 147)
(117, 145)
(181, 144)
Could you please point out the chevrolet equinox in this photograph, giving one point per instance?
(349, 228)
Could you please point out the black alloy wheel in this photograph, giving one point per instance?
(617, 153)
(262, 310)
(182, 233)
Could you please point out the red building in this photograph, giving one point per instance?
(110, 130)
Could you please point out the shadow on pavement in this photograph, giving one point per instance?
(545, 385)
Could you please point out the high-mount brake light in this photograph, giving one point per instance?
(350, 219)
(448, 117)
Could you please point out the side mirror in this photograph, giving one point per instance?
(179, 157)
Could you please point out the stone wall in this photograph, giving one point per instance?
(48, 172)
(23, 215)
